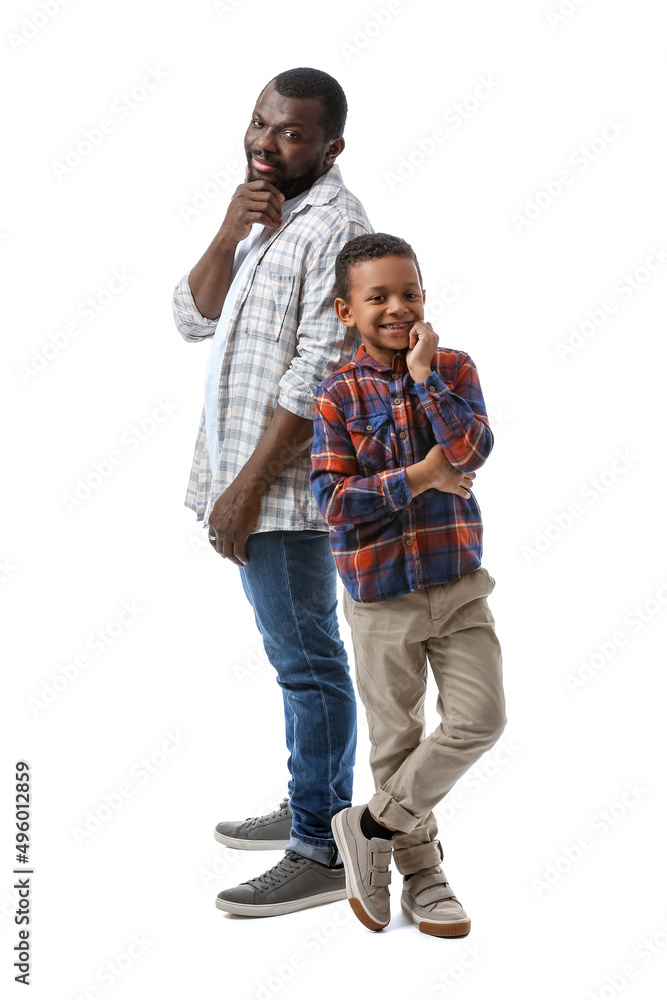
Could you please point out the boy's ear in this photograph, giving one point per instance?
(344, 312)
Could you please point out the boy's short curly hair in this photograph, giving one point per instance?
(370, 246)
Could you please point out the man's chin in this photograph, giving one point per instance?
(276, 180)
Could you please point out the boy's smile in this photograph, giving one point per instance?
(384, 302)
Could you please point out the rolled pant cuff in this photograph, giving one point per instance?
(409, 860)
(326, 854)
(388, 811)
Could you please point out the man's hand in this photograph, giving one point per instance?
(236, 511)
(232, 519)
(421, 348)
(437, 472)
(210, 278)
(253, 201)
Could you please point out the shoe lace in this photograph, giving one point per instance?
(288, 865)
(278, 813)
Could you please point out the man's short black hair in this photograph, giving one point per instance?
(306, 82)
(370, 246)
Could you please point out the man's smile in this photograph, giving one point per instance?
(262, 165)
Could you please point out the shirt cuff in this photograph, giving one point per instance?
(395, 488)
(189, 321)
(296, 395)
(431, 388)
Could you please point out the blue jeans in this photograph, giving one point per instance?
(290, 580)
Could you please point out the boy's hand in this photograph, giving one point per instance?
(442, 475)
(437, 472)
(422, 344)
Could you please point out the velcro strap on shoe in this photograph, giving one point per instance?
(430, 888)
(380, 858)
(379, 878)
(436, 894)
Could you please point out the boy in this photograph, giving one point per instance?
(398, 434)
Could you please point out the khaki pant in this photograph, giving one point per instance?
(452, 625)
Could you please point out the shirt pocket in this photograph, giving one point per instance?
(371, 436)
(268, 310)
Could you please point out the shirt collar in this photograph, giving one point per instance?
(398, 366)
(324, 189)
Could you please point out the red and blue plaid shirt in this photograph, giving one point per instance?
(371, 422)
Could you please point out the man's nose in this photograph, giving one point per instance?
(266, 140)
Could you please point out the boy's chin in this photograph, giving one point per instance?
(397, 343)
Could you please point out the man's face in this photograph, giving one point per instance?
(385, 300)
(285, 143)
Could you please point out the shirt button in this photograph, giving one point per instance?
(409, 541)
(397, 400)
(403, 434)
(430, 388)
(369, 427)
(395, 376)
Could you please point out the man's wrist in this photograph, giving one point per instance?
(225, 240)
(249, 486)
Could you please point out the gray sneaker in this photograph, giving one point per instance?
(293, 884)
(366, 868)
(258, 833)
(430, 903)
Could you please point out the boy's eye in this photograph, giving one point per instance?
(377, 298)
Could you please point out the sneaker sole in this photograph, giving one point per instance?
(352, 889)
(275, 909)
(250, 845)
(440, 928)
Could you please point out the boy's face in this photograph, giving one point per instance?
(384, 302)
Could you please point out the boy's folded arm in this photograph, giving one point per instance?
(458, 417)
(344, 496)
(358, 499)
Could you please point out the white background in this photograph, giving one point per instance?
(548, 920)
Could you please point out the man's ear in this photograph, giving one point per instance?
(424, 295)
(335, 149)
(344, 312)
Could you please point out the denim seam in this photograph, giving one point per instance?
(312, 672)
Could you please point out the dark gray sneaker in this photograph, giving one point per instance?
(293, 884)
(258, 833)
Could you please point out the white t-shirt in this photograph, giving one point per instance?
(246, 252)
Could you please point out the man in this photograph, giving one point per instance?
(264, 292)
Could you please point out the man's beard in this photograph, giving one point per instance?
(289, 187)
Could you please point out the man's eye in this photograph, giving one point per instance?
(291, 135)
(256, 121)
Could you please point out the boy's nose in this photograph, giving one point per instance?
(396, 307)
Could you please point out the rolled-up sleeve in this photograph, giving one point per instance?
(323, 344)
(189, 321)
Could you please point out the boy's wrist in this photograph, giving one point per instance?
(417, 477)
(419, 373)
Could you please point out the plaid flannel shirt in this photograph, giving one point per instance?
(371, 422)
(283, 338)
